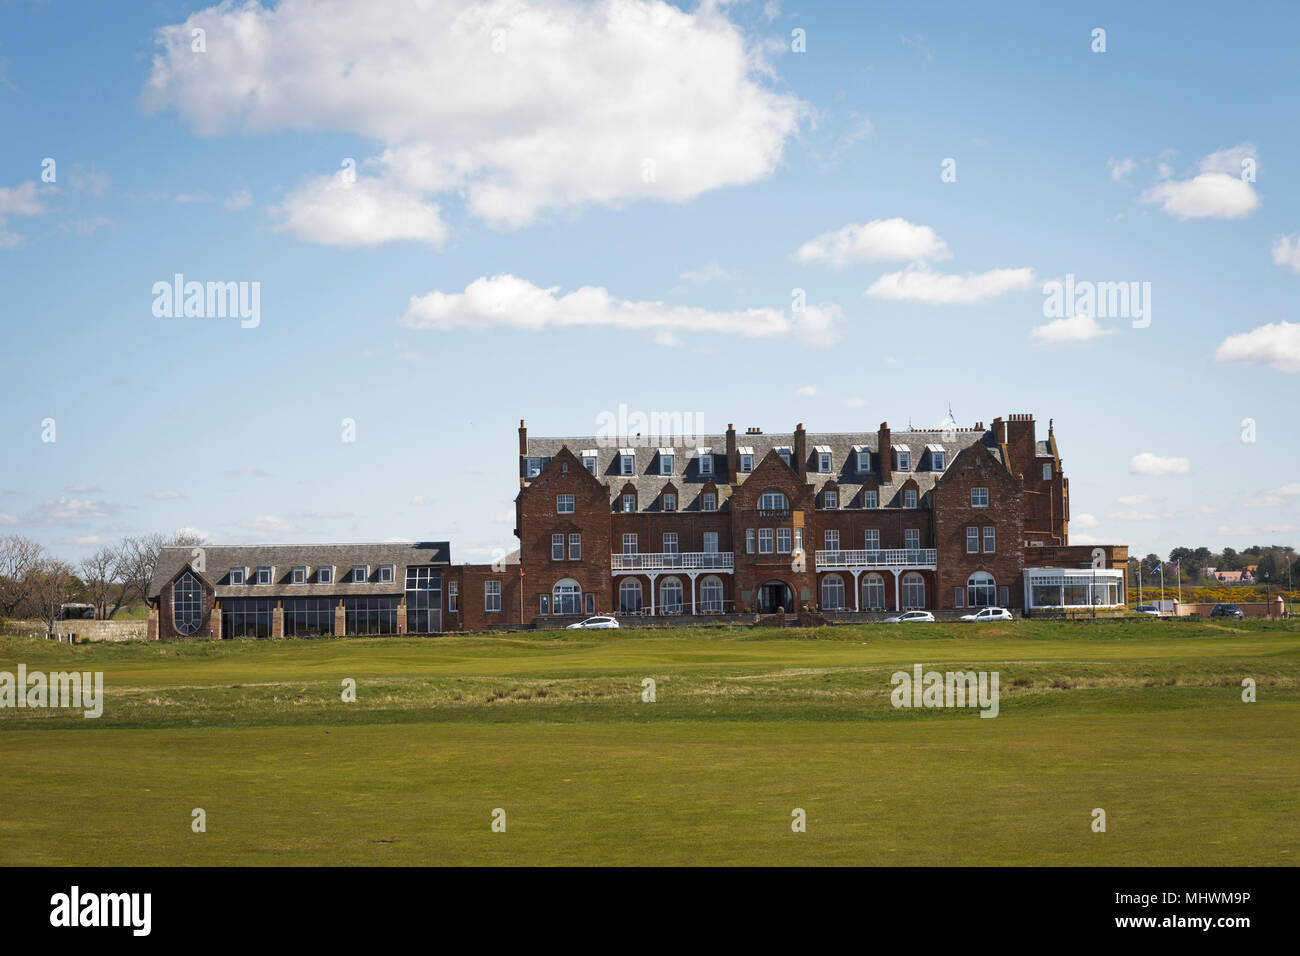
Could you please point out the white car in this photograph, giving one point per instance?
(989, 614)
(1149, 609)
(911, 616)
(594, 624)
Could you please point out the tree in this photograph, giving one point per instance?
(101, 572)
(52, 583)
(139, 558)
(18, 556)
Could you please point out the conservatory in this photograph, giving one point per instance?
(1071, 589)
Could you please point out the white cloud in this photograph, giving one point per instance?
(1131, 500)
(1217, 191)
(881, 240)
(1082, 521)
(519, 109)
(419, 500)
(20, 200)
(262, 525)
(337, 211)
(1278, 497)
(856, 401)
(1075, 328)
(239, 199)
(1286, 252)
(710, 273)
(91, 180)
(8, 519)
(510, 302)
(805, 391)
(72, 509)
(1136, 516)
(921, 284)
(88, 225)
(1276, 345)
(1120, 168)
(1148, 464)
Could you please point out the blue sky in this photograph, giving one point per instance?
(500, 166)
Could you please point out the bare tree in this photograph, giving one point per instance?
(53, 582)
(101, 573)
(18, 556)
(139, 557)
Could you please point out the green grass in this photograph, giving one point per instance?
(1141, 718)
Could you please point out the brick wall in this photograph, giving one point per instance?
(953, 514)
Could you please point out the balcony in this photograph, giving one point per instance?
(677, 561)
(888, 558)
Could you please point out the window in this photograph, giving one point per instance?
(909, 498)
(589, 602)
(708, 502)
(871, 539)
(308, 617)
(325, 574)
(830, 499)
(385, 574)
(990, 540)
(263, 575)
(764, 540)
(864, 460)
(629, 544)
(299, 575)
(566, 597)
(627, 464)
(870, 499)
(665, 464)
(980, 590)
(972, 540)
(831, 540)
(557, 547)
(670, 501)
(360, 573)
(937, 460)
(710, 542)
(832, 593)
(1047, 471)
(773, 501)
(236, 576)
(783, 540)
(670, 596)
(979, 497)
(575, 547)
(746, 462)
(711, 595)
(904, 460)
(187, 604)
(873, 593)
(629, 596)
(824, 461)
(589, 463)
(247, 617)
(543, 604)
(532, 467)
(629, 503)
(564, 504)
(492, 596)
(670, 542)
(913, 591)
(912, 539)
(453, 597)
(423, 599)
(785, 454)
(749, 540)
(706, 463)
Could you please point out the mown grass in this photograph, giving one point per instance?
(1141, 718)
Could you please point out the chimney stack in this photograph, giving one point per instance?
(523, 438)
(733, 458)
(885, 454)
(801, 452)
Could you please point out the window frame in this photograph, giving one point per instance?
(561, 500)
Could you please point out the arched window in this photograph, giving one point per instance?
(187, 604)
(629, 596)
(670, 596)
(913, 591)
(832, 593)
(711, 594)
(981, 590)
(773, 501)
(873, 593)
(566, 597)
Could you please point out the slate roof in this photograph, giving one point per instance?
(686, 476)
(282, 558)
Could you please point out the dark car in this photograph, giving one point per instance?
(1227, 610)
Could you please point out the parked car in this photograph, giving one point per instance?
(594, 624)
(910, 616)
(1226, 610)
(989, 614)
(1149, 609)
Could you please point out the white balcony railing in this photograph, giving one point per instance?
(887, 558)
(681, 561)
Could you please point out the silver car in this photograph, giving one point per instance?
(910, 616)
(594, 624)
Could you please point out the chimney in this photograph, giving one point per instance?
(801, 452)
(523, 438)
(733, 458)
(1022, 441)
(885, 454)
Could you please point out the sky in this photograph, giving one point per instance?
(446, 217)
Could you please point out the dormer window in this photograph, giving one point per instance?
(299, 575)
(870, 499)
(864, 460)
(589, 462)
(706, 461)
(830, 499)
(784, 452)
(263, 575)
(532, 467)
(904, 460)
(627, 462)
(385, 574)
(909, 498)
(937, 460)
(564, 504)
(708, 502)
(629, 504)
(360, 573)
(747, 462)
(823, 458)
(325, 574)
(666, 458)
(237, 575)
(670, 501)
